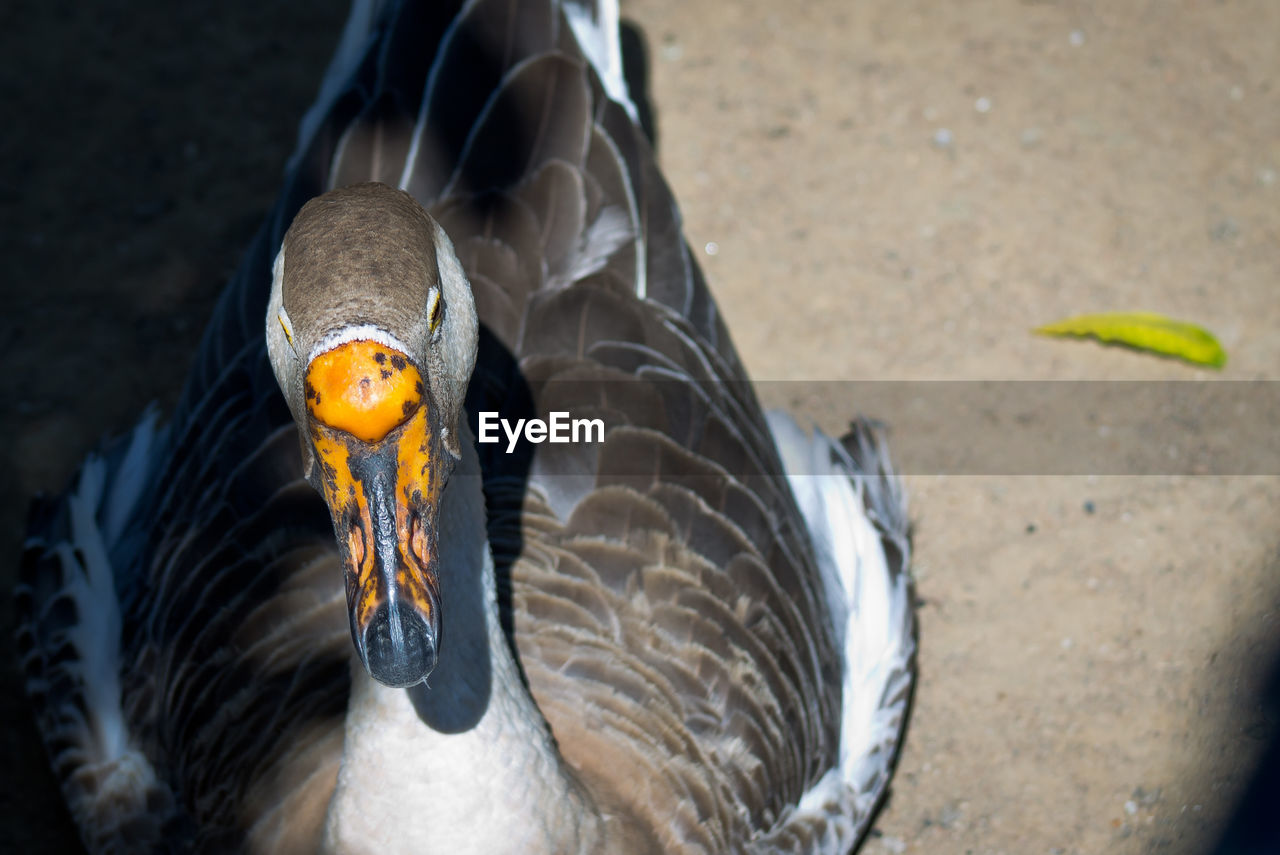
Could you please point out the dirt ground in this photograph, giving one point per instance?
(877, 190)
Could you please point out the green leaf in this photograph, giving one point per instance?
(1145, 331)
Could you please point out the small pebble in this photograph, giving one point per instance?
(1146, 797)
(1225, 229)
(982, 105)
(1089, 506)
(949, 816)
(712, 248)
(896, 845)
(1076, 37)
(1131, 807)
(943, 138)
(1031, 528)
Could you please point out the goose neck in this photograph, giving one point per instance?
(464, 762)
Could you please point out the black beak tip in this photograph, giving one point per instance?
(399, 647)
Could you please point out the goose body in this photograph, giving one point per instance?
(693, 635)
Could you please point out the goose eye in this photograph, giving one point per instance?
(435, 310)
(284, 325)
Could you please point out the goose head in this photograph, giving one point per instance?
(371, 331)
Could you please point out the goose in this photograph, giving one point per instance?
(317, 611)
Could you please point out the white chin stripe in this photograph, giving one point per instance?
(365, 332)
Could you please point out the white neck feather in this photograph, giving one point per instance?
(465, 763)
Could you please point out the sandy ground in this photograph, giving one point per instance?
(877, 190)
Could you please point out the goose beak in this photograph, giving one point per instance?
(379, 462)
